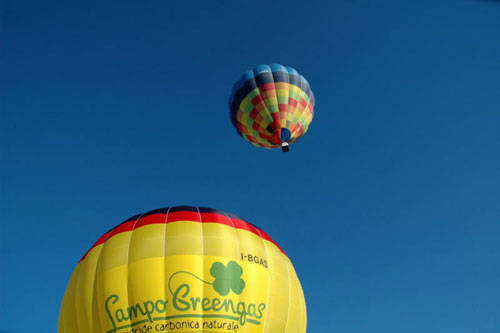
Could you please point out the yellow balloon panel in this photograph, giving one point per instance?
(155, 274)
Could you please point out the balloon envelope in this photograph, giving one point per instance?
(184, 269)
(271, 106)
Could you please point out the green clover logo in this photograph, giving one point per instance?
(227, 278)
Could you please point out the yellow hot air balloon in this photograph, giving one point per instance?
(184, 269)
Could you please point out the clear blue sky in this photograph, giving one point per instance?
(388, 206)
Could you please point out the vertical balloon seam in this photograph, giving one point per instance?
(115, 232)
(235, 232)
(301, 129)
(303, 300)
(260, 141)
(298, 89)
(295, 133)
(83, 291)
(283, 82)
(290, 124)
(241, 127)
(256, 132)
(202, 259)
(96, 316)
(284, 263)
(266, 111)
(285, 98)
(238, 106)
(304, 88)
(289, 300)
(303, 115)
(234, 106)
(311, 102)
(90, 285)
(127, 265)
(100, 316)
(309, 108)
(288, 285)
(292, 107)
(287, 268)
(264, 245)
(276, 118)
(164, 268)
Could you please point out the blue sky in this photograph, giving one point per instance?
(388, 206)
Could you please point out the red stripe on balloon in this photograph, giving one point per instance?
(182, 216)
(267, 86)
(150, 219)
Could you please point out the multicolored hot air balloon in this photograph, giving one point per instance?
(184, 269)
(272, 106)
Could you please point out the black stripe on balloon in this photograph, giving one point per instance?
(157, 211)
(295, 80)
(281, 77)
(133, 218)
(248, 86)
(264, 78)
(183, 208)
(166, 210)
